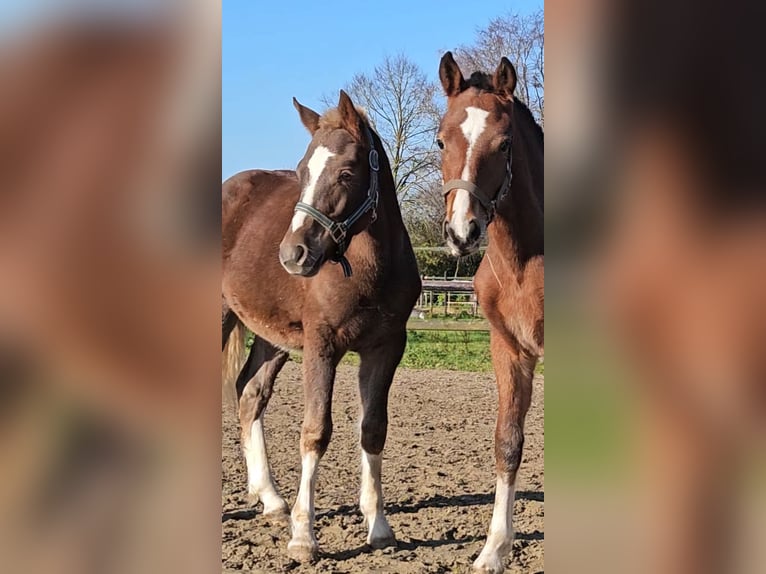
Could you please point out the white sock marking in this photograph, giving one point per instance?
(472, 127)
(316, 166)
(303, 511)
(260, 482)
(371, 498)
(500, 537)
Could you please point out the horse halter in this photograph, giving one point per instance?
(338, 230)
(488, 203)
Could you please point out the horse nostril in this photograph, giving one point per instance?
(293, 254)
(299, 254)
(449, 233)
(473, 231)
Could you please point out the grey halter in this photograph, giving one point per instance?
(338, 230)
(488, 203)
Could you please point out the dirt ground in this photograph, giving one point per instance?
(438, 479)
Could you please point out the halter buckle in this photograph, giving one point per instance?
(374, 160)
(338, 232)
(491, 210)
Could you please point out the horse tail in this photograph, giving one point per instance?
(234, 334)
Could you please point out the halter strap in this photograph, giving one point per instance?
(488, 203)
(339, 230)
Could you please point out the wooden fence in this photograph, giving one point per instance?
(442, 302)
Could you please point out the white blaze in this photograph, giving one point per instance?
(472, 127)
(316, 166)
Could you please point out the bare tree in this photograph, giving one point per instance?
(401, 102)
(405, 107)
(423, 213)
(522, 40)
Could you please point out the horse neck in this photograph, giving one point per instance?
(387, 231)
(516, 233)
(389, 221)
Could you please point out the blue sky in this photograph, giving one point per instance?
(275, 50)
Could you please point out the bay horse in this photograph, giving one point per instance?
(492, 165)
(280, 231)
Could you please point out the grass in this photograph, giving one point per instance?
(448, 350)
(447, 345)
(445, 350)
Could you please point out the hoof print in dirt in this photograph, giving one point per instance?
(436, 533)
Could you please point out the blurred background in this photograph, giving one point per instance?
(655, 313)
(110, 142)
(109, 286)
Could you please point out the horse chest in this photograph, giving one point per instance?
(513, 307)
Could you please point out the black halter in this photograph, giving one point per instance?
(488, 203)
(339, 229)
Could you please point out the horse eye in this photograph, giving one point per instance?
(504, 145)
(440, 143)
(344, 176)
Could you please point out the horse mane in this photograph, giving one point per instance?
(481, 81)
(521, 109)
(332, 120)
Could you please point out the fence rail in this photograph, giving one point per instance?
(442, 301)
(417, 324)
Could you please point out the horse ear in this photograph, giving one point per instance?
(309, 117)
(505, 78)
(352, 121)
(450, 75)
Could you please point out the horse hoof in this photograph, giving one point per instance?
(488, 565)
(273, 507)
(303, 552)
(277, 509)
(382, 541)
(381, 535)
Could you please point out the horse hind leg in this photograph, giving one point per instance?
(254, 388)
(514, 376)
(376, 373)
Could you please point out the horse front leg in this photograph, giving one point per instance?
(319, 363)
(514, 373)
(376, 373)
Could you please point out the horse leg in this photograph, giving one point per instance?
(514, 373)
(376, 373)
(319, 362)
(254, 387)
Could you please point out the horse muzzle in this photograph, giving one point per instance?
(297, 259)
(459, 245)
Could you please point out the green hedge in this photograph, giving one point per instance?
(441, 263)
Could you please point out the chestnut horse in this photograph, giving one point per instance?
(492, 164)
(339, 206)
